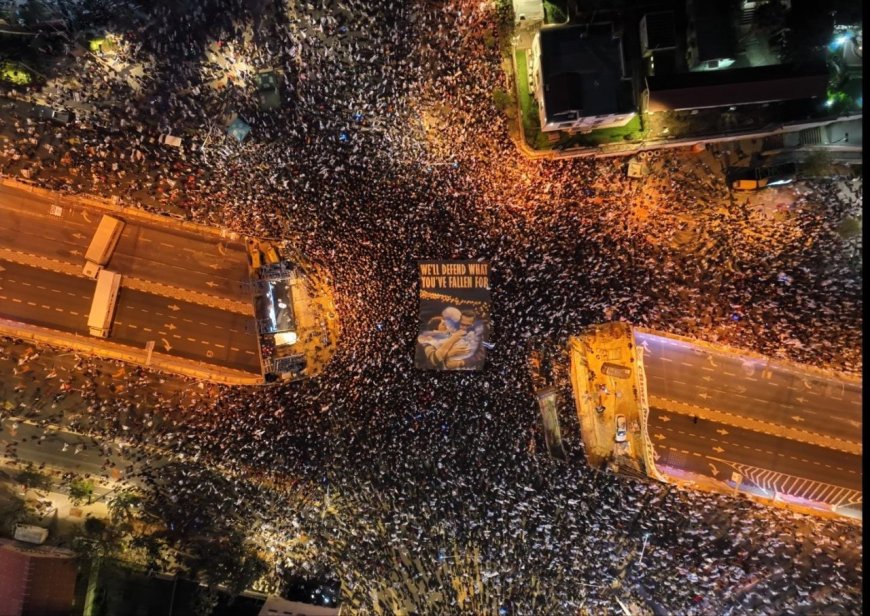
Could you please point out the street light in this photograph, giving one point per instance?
(643, 547)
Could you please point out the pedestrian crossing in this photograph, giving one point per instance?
(778, 483)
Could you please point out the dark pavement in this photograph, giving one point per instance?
(753, 390)
(167, 255)
(183, 329)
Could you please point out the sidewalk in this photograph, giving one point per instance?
(53, 508)
(603, 375)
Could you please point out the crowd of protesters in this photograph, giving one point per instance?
(387, 149)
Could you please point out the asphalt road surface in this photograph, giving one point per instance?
(166, 255)
(76, 453)
(752, 389)
(192, 331)
(766, 461)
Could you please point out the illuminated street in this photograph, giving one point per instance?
(432, 212)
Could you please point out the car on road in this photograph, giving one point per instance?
(621, 429)
(44, 112)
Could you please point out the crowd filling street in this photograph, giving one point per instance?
(388, 149)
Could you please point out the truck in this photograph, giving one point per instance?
(103, 304)
(756, 178)
(102, 245)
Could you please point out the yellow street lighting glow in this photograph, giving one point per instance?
(285, 338)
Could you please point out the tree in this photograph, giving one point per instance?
(124, 505)
(502, 99)
(771, 15)
(817, 164)
(95, 526)
(205, 600)
(33, 479)
(33, 13)
(81, 490)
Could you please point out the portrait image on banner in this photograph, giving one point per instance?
(454, 315)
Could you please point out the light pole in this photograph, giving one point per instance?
(643, 548)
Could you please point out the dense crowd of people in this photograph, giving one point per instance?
(387, 149)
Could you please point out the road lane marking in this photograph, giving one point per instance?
(147, 329)
(47, 307)
(16, 300)
(31, 303)
(191, 339)
(220, 346)
(73, 312)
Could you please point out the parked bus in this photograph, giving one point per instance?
(103, 305)
(102, 245)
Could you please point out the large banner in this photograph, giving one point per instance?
(454, 315)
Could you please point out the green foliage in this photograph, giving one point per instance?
(94, 526)
(817, 164)
(502, 99)
(528, 106)
(554, 13)
(205, 600)
(33, 12)
(849, 228)
(505, 21)
(124, 505)
(14, 73)
(81, 490)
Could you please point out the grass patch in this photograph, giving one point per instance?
(632, 131)
(529, 107)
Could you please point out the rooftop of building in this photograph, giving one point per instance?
(583, 72)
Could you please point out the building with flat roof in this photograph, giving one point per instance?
(36, 580)
(742, 86)
(579, 78)
(711, 43)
